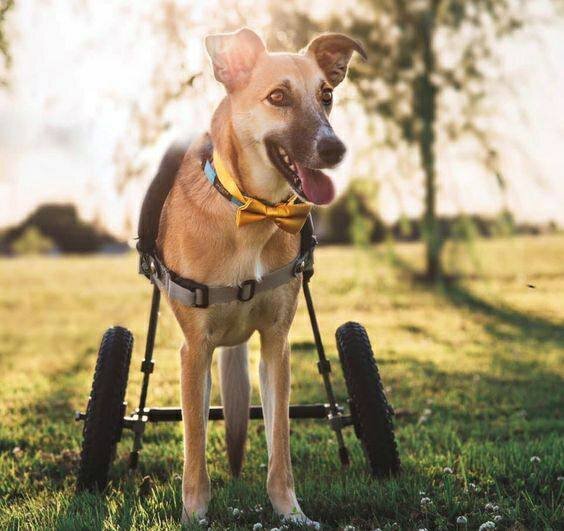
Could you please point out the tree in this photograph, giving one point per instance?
(5, 59)
(427, 78)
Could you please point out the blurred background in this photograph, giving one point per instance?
(454, 124)
(445, 242)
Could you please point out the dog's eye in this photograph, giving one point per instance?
(327, 96)
(278, 97)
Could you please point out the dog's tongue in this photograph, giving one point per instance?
(318, 187)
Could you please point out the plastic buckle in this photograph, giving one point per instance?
(145, 265)
(245, 294)
(153, 268)
(299, 267)
(201, 296)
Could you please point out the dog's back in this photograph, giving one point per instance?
(156, 195)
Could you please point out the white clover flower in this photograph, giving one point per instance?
(447, 470)
(487, 525)
(489, 507)
(349, 528)
(462, 520)
(17, 452)
(258, 508)
(423, 529)
(275, 529)
(426, 502)
(498, 518)
(422, 493)
(535, 459)
(257, 526)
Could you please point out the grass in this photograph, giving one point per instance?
(474, 366)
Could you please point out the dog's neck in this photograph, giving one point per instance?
(245, 160)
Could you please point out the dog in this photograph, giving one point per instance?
(272, 138)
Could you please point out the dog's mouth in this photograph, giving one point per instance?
(310, 184)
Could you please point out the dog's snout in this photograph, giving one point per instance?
(331, 150)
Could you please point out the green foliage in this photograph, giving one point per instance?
(353, 218)
(364, 219)
(474, 371)
(464, 231)
(505, 224)
(64, 228)
(394, 80)
(32, 242)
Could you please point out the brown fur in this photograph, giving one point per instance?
(199, 239)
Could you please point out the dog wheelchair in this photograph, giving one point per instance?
(367, 409)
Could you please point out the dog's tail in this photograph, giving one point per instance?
(235, 396)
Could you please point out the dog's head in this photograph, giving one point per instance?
(280, 105)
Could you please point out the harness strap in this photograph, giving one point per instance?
(201, 296)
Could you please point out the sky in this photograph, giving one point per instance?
(83, 71)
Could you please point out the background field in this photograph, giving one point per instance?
(474, 367)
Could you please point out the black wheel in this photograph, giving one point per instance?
(371, 412)
(104, 415)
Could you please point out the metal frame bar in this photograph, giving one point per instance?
(147, 368)
(173, 414)
(335, 412)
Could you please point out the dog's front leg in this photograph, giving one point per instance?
(195, 386)
(275, 396)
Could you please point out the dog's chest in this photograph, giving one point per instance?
(233, 323)
(245, 265)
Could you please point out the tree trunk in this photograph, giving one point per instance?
(427, 113)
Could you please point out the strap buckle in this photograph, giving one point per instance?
(299, 266)
(201, 296)
(247, 290)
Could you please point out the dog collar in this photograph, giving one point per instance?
(288, 215)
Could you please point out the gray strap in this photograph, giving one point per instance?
(222, 294)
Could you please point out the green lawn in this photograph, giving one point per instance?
(475, 368)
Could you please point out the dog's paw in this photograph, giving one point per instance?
(194, 518)
(300, 519)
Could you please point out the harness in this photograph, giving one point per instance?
(187, 291)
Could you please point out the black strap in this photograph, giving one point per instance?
(308, 241)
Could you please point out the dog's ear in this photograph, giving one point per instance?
(333, 52)
(234, 56)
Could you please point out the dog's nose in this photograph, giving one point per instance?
(331, 150)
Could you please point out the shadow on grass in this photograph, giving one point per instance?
(525, 326)
(528, 326)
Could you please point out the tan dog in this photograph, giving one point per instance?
(272, 132)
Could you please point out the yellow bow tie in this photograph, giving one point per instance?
(289, 215)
